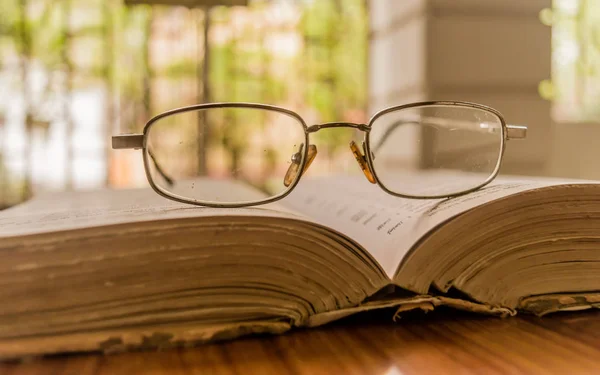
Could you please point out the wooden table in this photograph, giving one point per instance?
(437, 343)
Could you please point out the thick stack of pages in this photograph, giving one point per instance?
(118, 270)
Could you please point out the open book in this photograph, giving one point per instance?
(119, 270)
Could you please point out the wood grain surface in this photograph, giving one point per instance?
(437, 343)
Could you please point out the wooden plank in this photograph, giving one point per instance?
(189, 3)
(418, 344)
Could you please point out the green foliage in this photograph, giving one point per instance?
(335, 35)
(178, 69)
(575, 58)
(324, 75)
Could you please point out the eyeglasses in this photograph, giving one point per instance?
(242, 154)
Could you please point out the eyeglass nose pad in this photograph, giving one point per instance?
(293, 169)
(362, 162)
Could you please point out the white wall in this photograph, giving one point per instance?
(493, 52)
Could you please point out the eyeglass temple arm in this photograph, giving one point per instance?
(512, 131)
(136, 142)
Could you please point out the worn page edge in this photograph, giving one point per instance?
(131, 339)
(550, 303)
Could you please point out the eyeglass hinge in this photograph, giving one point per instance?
(516, 131)
(127, 141)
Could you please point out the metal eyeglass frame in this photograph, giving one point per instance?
(365, 160)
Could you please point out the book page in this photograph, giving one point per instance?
(386, 225)
(86, 209)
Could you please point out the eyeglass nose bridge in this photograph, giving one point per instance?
(358, 155)
(317, 127)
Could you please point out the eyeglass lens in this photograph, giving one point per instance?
(225, 155)
(435, 150)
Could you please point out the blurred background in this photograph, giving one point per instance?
(73, 73)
